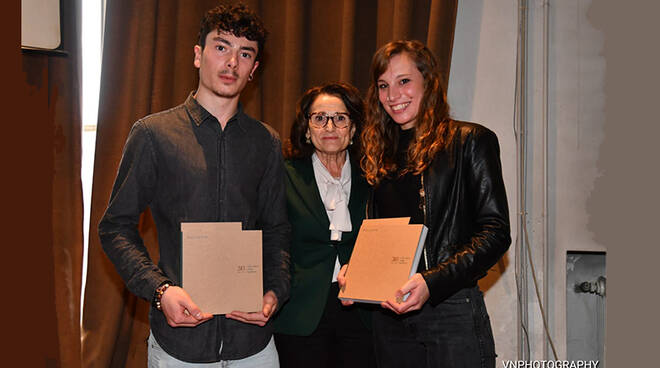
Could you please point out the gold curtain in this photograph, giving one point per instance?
(50, 81)
(147, 67)
(67, 216)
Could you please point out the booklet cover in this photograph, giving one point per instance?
(221, 266)
(386, 255)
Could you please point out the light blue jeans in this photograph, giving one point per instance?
(267, 358)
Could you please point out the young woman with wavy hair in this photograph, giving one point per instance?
(447, 175)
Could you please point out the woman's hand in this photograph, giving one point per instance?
(419, 294)
(341, 280)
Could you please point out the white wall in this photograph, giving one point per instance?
(576, 122)
(561, 160)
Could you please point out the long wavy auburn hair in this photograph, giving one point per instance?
(380, 133)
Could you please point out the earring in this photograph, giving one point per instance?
(351, 142)
(250, 77)
(307, 140)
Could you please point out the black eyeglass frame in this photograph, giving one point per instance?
(327, 117)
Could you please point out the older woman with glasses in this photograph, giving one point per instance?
(326, 202)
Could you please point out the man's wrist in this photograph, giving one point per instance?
(158, 294)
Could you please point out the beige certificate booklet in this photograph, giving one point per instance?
(386, 254)
(221, 266)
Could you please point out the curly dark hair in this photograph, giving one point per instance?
(433, 127)
(297, 146)
(235, 19)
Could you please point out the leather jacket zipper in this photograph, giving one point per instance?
(422, 197)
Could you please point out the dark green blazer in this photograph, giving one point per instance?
(312, 252)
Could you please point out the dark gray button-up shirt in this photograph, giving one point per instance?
(185, 168)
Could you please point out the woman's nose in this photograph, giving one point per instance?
(329, 126)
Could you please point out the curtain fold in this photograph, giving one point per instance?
(440, 41)
(280, 78)
(147, 67)
(64, 85)
(50, 80)
(347, 55)
(29, 240)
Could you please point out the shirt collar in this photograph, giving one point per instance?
(199, 114)
(335, 194)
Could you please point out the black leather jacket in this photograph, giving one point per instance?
(466, 211)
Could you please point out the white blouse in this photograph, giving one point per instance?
(335, 194)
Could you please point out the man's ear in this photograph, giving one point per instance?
(254, 68)
(197, 60)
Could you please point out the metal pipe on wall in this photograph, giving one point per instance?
(544, 124)
(520, 122)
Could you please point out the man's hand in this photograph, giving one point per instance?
(257, 318)
(180, 310)
(341, 280)
(419, 294)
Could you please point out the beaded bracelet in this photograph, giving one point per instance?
(159, 295)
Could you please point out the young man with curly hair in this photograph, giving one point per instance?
(203, 161)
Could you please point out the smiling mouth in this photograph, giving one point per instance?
(400, 106)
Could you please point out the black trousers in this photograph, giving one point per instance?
(340, 340)
(454, 334)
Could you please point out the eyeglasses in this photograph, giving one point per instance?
(320, 119)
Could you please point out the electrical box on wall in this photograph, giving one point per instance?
(40, 24)
(585, 306)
